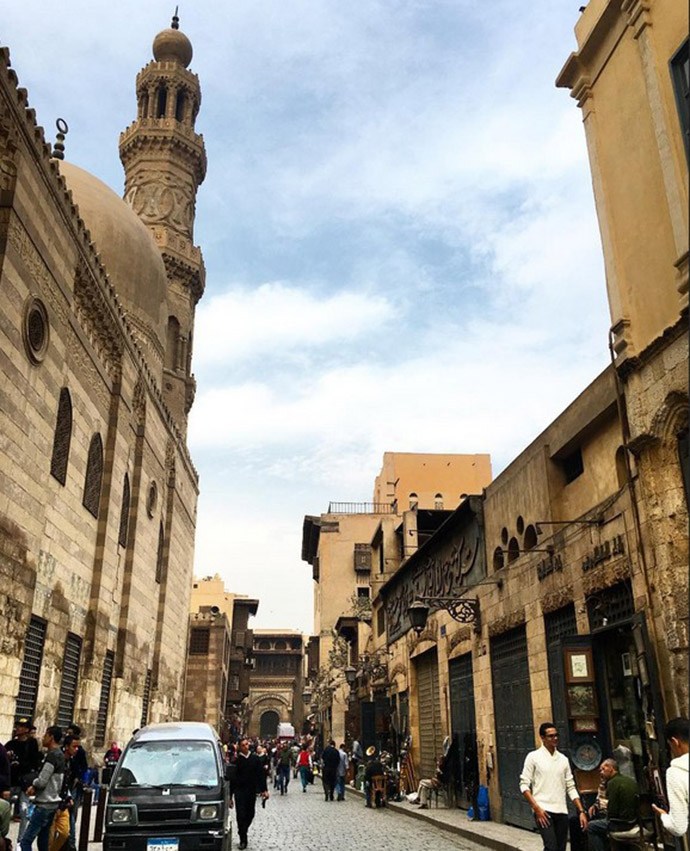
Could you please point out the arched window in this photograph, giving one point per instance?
(414, 500)
(94, 476)
(61, 440)
(498, 558)
(280, 645)
(438, 502)
(124, 513)
(159, 554)
(172, 343)
(180, 106)
(144, 105)
(264, 645)
(513, 550)
(161, 102)
(530, 538)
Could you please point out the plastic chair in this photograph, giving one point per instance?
(378, 790)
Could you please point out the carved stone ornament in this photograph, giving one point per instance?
(605, 576)
(398, 670)
(96, 318)
(139, 400)
(557, 599)
(460, 635)
(158, 199)
(507, 622)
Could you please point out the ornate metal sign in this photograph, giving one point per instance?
(445, 570)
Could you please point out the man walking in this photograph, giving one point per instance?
(250, 780)
(545, 781)
(342, 771)
(330, 759)
(675, 821)
(357, 756)
(25, 759)
(47, 788)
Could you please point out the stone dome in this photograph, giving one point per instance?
(172, 45)
(129, 255)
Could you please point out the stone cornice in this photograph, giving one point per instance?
(191, 276)
(162, 135)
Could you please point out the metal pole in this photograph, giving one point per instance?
(100, 814)
(85, 820)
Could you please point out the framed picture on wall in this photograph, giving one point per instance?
(582, 700)
(585, 725)
(578, 665)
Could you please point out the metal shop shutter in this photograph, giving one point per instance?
(429, 712)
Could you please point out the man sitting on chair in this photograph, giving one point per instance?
(433, 784)
(374, 769)
(617, 810)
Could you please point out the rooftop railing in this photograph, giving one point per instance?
(360, 508)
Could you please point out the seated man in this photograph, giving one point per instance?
(374, 769)
(615, 809)
(426, 787)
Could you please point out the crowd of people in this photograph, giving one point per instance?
(42, 786)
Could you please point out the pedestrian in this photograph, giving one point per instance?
(616, 808)
(283, 769)
(428, 785)
(342, 772)
(374, 769)
(357, 756)
(545, 781)
(304, 764)
(61, 831)
(675, 820)
(47, 788)
(25, 760)
(330, 760)
(5, 785)
(249, 781)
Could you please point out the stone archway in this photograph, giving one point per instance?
(268, 724)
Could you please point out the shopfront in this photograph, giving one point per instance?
(429, 708)
(464, 728)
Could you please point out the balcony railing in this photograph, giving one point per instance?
(360, 508)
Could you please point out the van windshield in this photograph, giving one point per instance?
(155, 764)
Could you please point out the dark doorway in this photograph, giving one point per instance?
(513, 719)
(268, 727)
(464, 727)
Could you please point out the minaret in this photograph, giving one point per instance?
(165, 162)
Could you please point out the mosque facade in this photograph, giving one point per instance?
(98, 492)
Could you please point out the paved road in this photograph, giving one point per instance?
(305, 822)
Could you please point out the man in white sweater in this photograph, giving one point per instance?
(545, 781)
(675, 821)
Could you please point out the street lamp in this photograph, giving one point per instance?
(350, 675)
(306, 695)
(418, 613)
(461, 609)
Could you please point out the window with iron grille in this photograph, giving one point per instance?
(70, 680)
(363, 558)
(94, 476)
(124, 513)
(199, 639)
(104, 702)
(680, 74)
(146, 699)
(560, 624)
(611, 606)
(62, 438)
(31, 667)
(159, 554)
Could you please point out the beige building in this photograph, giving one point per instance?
(353, 547)
(97, 489)
(219, 654)
(276, 682)
(631, 70)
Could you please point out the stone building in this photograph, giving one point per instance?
(219, 654)
(631, 70)
(276, 682)
(569, 577)
(354, 547)
(97, 489)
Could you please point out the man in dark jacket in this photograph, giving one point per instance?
(374, 769)
(249, 781)
(25, 760)
(330, 759)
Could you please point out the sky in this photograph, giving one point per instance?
(399, 233)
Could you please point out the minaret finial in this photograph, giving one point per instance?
(175, 21)
(59, 146)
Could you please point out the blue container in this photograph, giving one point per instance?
(483, 804)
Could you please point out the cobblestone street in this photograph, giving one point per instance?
(305, 822)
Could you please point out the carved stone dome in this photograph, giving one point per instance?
(130, 257)
(172, 45)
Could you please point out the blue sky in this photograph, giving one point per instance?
(399, 234)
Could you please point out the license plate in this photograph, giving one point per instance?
(163, 845)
